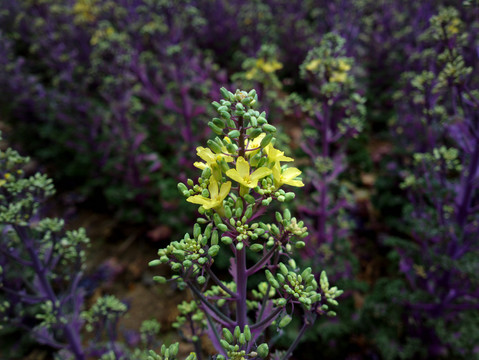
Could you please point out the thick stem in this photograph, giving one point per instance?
(241, 284)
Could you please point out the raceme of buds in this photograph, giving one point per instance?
(242, 174)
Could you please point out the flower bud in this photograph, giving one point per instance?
(256, 247)
(214, 146)
(266, 140)
(214, 237)
(219, 123)
(263, 350)
(215, 128)
(228, 335)
(269, 128)
(213, 251)
(234, 134)
(285, 321)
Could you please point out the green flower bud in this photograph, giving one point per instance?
(182, 187)
(151, 263)
(225, 115)
(225, 344)
(249, 199)
(227, 95)
(274, 229)
(215, 104)
(256, 247)
(217, 219)
(214, 237)
(300, 244)
(214, 146)
(196, 230)
(263, 350)
(228, 335)
(281, 198)
(222, 227)
(285, 321)
(201, 280)
(289, 196)
(269, 128)
(234, 134)
(279, 218)
(281, 302)
(213, 251)
(247, 333)
(283, 269)
(219, 123)
(242, 339)
(190, 182)
(287, 214)
(266, 140)
(228, 212)
(222, 108)
(249, 212)
(207, 232)
(230, 122)
(262, 120)
(216, 129)
(238, 212)
(226, 240)
(159, 279)
(239, 246)
(231, 148)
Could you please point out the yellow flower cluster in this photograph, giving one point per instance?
(242, 173)
(339, 74)
(265, 66)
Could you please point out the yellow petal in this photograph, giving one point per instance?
(234, 174)
(260, 173)
(200, 165)
(213, 188)
(206, 154)
(297, 183)
(198, 199)
(225, 190)
(291, 173)
(242, 166)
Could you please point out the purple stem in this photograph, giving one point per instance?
(72, 335)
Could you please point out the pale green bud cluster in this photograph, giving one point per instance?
(169, 353)
(107, 308)
(187, 255)
(188, 310)
(235, 344)
(330, 294)
(217, 292)
(294, 287)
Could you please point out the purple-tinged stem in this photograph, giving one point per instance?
(241, 282)
(73, 337)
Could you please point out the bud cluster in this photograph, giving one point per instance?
(242, 173)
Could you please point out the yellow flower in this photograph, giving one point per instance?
(254, 144)
(340, 75)
(268, 66)
(216, 198)
(313, 64)
(275, 155)
(286, 177)
(241, 173)
(210, 157)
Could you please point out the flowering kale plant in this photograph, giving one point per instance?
(42, 294)
(242, 176)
